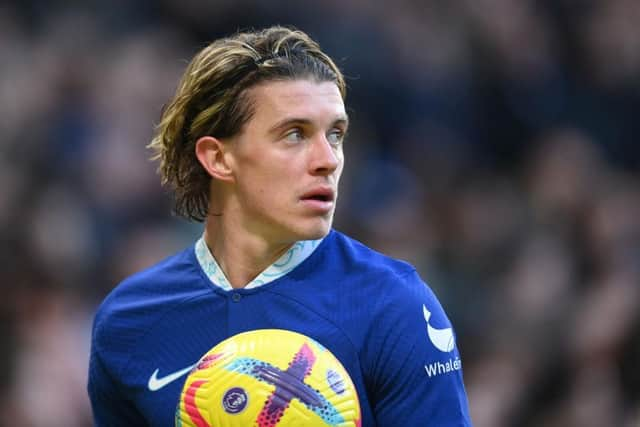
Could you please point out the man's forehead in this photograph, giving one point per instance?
(275, 99)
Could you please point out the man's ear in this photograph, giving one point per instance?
(212, 155)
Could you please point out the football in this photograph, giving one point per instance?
(265, 378)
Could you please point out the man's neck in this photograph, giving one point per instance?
(242, 256)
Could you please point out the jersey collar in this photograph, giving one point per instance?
(287, 262)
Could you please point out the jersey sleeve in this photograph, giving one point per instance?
(413, 363)
(109, 406)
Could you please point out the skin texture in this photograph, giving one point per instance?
(276, 182)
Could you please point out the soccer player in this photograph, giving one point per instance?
(252, 145)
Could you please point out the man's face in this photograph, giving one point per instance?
(288, 159)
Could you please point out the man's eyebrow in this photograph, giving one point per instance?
(341, 120)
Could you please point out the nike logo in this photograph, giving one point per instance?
(156, 383)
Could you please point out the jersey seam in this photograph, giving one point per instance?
(376, 315)
(320, 316)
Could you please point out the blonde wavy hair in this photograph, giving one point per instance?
(211, 99)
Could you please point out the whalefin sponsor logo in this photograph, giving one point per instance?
(445, 341)
(442, 339)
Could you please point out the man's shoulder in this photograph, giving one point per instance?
(134, 303)
(358, 258)
(155, 279)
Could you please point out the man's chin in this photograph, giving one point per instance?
(316, 236)
(315, 232)
(307, 229)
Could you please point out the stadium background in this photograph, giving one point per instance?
(494, 146)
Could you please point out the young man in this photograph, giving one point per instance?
(251, 144)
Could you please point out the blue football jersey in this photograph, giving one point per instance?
(372, 312)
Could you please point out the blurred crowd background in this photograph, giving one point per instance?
(494, 145)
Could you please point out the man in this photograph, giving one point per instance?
(251, 144)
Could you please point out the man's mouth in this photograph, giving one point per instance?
(320, 195)
(319, 200)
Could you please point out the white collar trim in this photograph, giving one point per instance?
(287, 262)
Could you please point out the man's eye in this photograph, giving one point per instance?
(294, 135)
(335, 137)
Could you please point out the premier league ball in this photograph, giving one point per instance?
(266, 378)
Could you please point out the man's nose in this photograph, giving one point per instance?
(325, 157)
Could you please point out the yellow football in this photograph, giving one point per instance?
(268, 378)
